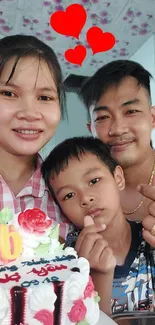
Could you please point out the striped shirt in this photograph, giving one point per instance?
(34, 194)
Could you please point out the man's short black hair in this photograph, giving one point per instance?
(112, 74)
(60, 156)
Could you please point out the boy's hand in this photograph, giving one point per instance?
(91, 245)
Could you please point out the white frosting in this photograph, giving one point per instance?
(33, 321)
(74, 287)
(4, 303)
(93, 312)
(70, 251)
(74, 290)
(84, 267)
(42, 297)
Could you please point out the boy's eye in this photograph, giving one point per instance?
(45, 98)
(94, 181)
(69, 196)
(7, 93)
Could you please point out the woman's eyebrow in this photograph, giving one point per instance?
(13, 85)
(47, 89)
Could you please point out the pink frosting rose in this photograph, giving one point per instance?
(89, 289)
(78, 312)
(45, 316)
(34, 221)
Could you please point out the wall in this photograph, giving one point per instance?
(146, 56)
(75, 126)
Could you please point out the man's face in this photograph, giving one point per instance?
(87, 187)
(123, 119)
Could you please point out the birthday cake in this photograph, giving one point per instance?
(41, 282)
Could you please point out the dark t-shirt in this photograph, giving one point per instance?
(136, 235)
(133, 284)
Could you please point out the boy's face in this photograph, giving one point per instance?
(29, 107)
(86, 187)
(123, 118)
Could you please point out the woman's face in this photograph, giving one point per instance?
(29, 106)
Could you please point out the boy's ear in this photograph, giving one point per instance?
(89, 126)
(153, 116)
(119, 178)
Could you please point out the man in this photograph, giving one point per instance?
(119, 106)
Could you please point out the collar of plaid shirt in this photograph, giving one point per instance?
(35, 186)
(34, 194)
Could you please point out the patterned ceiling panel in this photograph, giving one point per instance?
(131, 21)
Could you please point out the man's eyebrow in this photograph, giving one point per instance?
(100, 108)
(106, 108)
(130, 102)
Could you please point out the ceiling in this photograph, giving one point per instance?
(131, 21)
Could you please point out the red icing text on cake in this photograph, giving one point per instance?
(48, 268)
(14, 277)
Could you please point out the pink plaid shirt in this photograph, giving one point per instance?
(35, 194)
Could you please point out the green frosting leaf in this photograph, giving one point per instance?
(55, 232)
(83, 322)
(59, 249)
(42, 250)
(97, 298)
(5, 215)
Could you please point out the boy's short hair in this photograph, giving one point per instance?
(112, 74)
(60, 156)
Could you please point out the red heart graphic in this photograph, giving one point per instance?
(71, 22)
(76, 55)
(100, 41)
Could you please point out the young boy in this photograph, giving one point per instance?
(85, 182)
